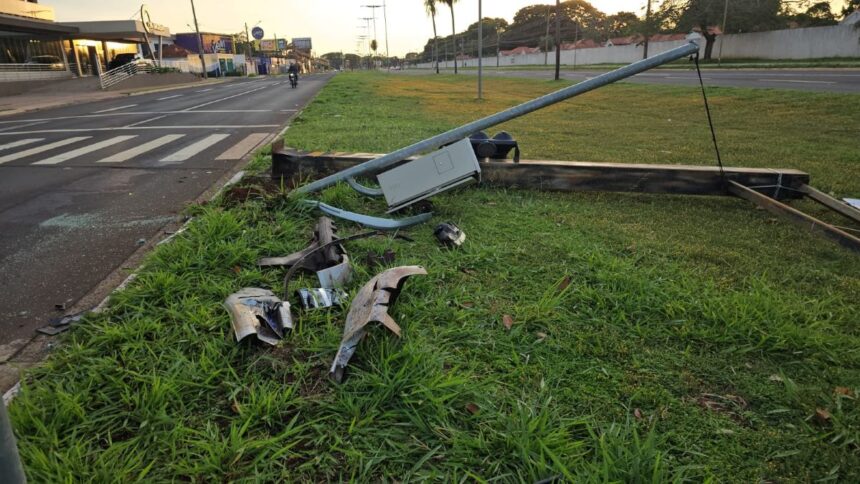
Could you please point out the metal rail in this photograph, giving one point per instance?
(379, 164)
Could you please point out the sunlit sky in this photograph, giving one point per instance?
(333, 24)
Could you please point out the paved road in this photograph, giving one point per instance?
(826, 80)
(81, 186)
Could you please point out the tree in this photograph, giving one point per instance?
(430, 7)
(744, 16)
(850, 7)
(450, 4)
(621, 24)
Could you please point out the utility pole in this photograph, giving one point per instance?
(557, 38)
(480, 50)
(199, 40)
(647, 28)
(546, 40)
(498, 44)
(725, 17)
(385, 21)
(247, 44)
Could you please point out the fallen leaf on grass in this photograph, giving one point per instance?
(467, 304)
(236, 407)
(508, 321)
(637, 413)
(564, 284)
(844, 391)
(822, 415)
(237, 269)
(541, 337)
(467, 270)
(472, 408)
(775, 378)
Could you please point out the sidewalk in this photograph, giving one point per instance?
(78, 91)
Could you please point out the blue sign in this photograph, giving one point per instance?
(258, 33)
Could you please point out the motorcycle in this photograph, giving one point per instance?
(294, 80)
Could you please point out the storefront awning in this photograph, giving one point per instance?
(19, 25)
(117, 30)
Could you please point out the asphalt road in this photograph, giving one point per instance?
(822, 80)
(82, 186)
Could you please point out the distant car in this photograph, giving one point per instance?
(122, 59)
(47, 60)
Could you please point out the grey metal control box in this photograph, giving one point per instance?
(452, 166)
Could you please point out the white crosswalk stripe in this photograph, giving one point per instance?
(139, 150)
(41, 149)
(241, 148)
(85, 150)
(20, 142)
(193, 149)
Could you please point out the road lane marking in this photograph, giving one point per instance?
(23, 125)
(20, 142)
(138, 150)
(207, 90)
(138, 113)
(243, 147)
(169, 97)
(796, 80)
(41, 149)
(137, 128)
(226, 98)
(85, 150)
(115, 109)
(195, 148)
(145, 121)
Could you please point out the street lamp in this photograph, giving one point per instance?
(385, 21)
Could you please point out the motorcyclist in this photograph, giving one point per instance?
(293, 70)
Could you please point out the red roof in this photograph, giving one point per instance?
(521, 51)
(581, 44)
(630, 39)
(711, 30)
(667, 37)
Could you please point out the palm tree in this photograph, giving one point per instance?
(450, 4)
(430, 6)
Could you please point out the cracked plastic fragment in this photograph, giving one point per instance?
(321, 297)
(259, 312)
(310, 258)
(371, 305)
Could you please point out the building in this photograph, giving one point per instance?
(34, 47)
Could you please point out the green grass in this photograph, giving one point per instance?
(696, 339)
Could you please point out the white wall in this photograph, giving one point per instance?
(809, 43)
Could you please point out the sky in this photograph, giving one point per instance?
(333, 24)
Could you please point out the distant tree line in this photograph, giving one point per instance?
(534, 25)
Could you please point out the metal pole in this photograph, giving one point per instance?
(199, 40)
(385, 161)
(546, 40)
(11, 470)
(647, 29)
(557, 38)
(480, 50)
(725, 17)
(385, 20)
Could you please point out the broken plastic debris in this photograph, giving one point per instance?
(321, 297)
(336, 276)
(258, 311)
(310, 258)
(371, 305)
(449, 234)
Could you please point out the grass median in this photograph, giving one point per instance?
(655, 337)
